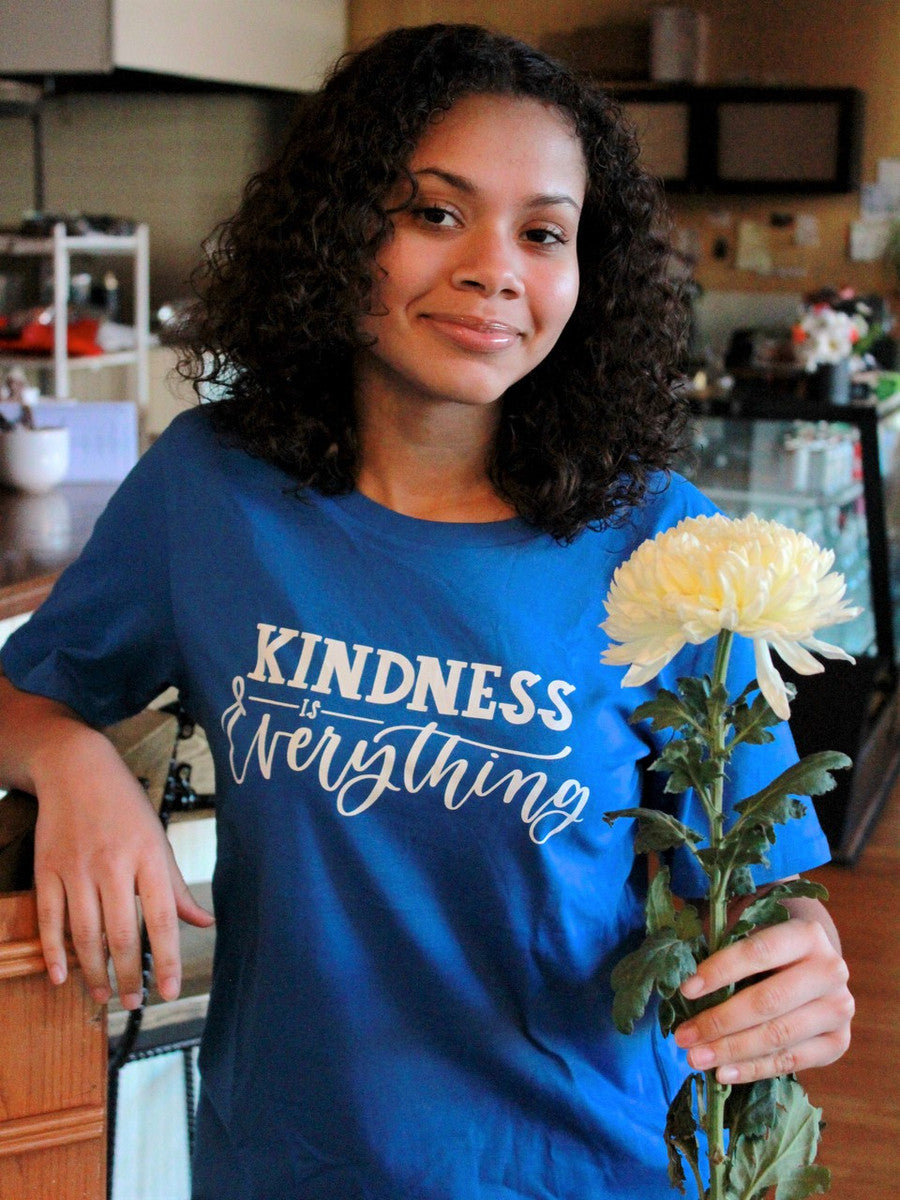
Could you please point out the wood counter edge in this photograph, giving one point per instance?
(26, 596)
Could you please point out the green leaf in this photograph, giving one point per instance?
(745, 843)
(660, 905)
(663, 961)
(674, 1009)
(744, 846)
(763, 912)
(688, 765)
(681, 1133)
(697, 695)
(752, 722)
(661, 912)
(768, 909)
(664, 711)
(717, 705)
(656, 830)
(689, 926)
(741, 883)
(750, 1108)
(784, 1158)
(811, 776)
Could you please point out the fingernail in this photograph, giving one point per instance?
(101, 994)
(728, 1074)
(692, 987)
(132, 1000)
(686, 1035)
(702, 1057)
(56, 973)
(168, 988)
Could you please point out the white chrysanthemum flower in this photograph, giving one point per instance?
(756, 578)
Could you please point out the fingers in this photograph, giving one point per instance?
(51, 910)
(766, 950)
(187, 907)
(104, 923)
(157, 888)
(86, 929)
(810, 1036)
(797, 1016)
(123, 937)
(99, 850)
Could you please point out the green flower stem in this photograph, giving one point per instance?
(717, 1093)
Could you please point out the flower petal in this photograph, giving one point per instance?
(770, 682)
(755, 578)
(795, 656)
(827, 650)
(639, 673)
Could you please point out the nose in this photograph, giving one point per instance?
(488, 263)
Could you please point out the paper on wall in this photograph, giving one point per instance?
(888, 176)
(806, 230)
(869, 238)
(753, 252)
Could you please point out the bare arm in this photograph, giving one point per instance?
(98, 844)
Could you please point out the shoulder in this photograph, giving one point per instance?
(191, 452)
(669, 499)
(191, 429)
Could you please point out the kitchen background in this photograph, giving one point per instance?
(176, 160)
(172, 154)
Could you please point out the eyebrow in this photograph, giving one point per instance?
(462, 184)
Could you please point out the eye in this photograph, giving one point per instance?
(436, 216)
(542, 235)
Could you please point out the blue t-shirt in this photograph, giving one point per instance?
(418, 902)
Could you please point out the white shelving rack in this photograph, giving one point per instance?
(61, 247)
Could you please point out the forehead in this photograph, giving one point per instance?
(492, 135)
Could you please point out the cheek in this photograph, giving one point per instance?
(560, 298)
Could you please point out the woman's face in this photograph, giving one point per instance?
(480, 276)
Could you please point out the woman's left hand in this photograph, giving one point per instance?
(796, 1016)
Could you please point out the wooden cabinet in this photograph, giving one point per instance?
(53, 1040)
(281, 44)
(52, 1082)
(751, 140)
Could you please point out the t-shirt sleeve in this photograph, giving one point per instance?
(103, 642)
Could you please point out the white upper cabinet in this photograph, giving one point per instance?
(286, 44)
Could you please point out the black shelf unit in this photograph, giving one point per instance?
(851, 708)
(747, 139)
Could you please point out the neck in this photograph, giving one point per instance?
(430, 461)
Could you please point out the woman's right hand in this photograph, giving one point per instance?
(99, 844)
(99, 847)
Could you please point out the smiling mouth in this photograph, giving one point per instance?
(473, 333)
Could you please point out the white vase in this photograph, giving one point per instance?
(34, 460)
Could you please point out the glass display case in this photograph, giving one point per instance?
(832, 472)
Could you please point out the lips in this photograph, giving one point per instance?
(474, 333)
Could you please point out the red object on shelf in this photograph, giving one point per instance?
(37, 338)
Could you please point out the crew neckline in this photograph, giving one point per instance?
(416, 530)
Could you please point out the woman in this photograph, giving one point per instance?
(444, 340)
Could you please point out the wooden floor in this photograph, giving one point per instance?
(860, 1094)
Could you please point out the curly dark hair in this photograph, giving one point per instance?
(287, 277)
